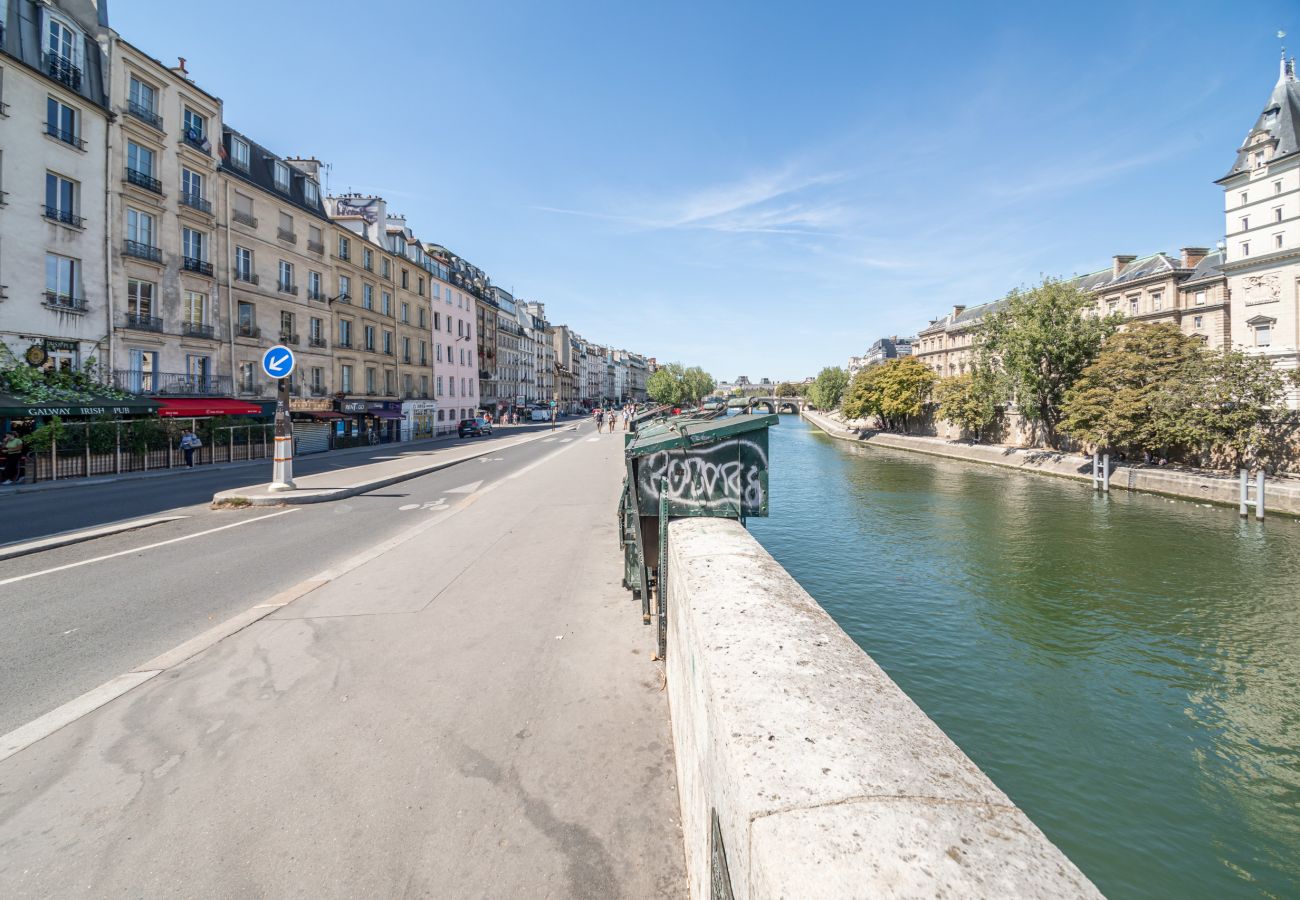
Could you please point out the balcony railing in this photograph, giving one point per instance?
(244, 329)
(144, 114)
(285, 234)
(64, 216)
(202, 266)
(345, 255)
(67, 137)
(194, 329)
(56, 300)
(285, 287)
(315, 294)
(140, 179)
(315, 246)
(407, 359)
(244, 218)
(345, 344)
(140, 322)
(62, 69)
(317, 390)
(288, 337)
(141, 250)
(249, 386)
(198, 141)
(175, 384)
(195, 200)
(244, 275)
(317, 342)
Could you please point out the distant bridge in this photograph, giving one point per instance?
(773, 405)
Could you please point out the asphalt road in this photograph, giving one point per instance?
(70, 630)
(34, 514)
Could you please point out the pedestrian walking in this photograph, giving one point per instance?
(600, 420)
(189, 443)
(12, 448)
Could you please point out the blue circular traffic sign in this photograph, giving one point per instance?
(278, 362)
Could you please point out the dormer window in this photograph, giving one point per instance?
(281, 176)
(311, 191)
(239, 154)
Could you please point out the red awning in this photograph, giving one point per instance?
(194, 408)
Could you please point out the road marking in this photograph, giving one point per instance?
(533, 465)
(465, 488)
(187, 537)
(24, 736)
(548, 440)
(566, 440)
(408, 506)
(9, 551)
(590, 440)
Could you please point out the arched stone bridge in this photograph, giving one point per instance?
(776, 404)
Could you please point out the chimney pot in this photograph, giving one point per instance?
(1193, 255)
(1121, 260)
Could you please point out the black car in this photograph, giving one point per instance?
(475, 427)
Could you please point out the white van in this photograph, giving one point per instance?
(540, 414)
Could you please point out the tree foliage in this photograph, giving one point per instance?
(1041, 342)
(1156, 390)
(828, 388)
(968, 401)
(674, 384)
(897, 391)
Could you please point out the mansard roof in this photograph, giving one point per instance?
(1207, 269)
(260, 173)
(1137, 270)
(1280, 120)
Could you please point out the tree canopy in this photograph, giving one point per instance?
(968, 401)
(896, 391)
(1041, 342)
(828, 388)
(674, 384)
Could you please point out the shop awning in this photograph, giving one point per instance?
(16, 407)
(319, 414)
(385, 414)
(193, 408)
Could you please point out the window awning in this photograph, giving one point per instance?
(193, 408)
(12, 406)
(319, 414)
(385, 414)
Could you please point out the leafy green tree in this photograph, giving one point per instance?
(968, 401)
(786, 389)
(905, 386)
(1239, 408)
(862, 398)
(828, 389)
(665, 384)
(1041, 342)
(697, 384)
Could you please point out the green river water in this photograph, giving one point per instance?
(1126, 669)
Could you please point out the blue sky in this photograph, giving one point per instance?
(758, 188)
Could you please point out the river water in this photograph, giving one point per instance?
(1126, 669)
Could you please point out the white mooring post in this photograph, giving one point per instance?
(1246, 500)
(1101, 472)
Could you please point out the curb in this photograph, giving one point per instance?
(291, 499)
(67, 538)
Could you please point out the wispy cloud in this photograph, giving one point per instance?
(784, 201)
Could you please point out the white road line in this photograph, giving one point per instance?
(24, 736)
(592, 440)
(533, 465)
(50, 542)
(548, 440)
(187, 537)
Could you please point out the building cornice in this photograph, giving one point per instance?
(1267, 260)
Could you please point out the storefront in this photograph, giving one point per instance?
(385, 419)
(418, 419)
(313, 424)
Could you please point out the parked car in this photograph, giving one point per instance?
(476, 427)
(540, 414)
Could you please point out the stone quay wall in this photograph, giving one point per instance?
(1281, 494)
(803, 770)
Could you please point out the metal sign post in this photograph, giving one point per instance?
(278, 363)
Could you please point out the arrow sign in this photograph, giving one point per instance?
(278, 362)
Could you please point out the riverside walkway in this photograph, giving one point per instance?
(465, 709)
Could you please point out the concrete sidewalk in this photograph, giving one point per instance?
(470, 712)
(404, 464)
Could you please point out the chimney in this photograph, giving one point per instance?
(1193, 255)
(180, 69)
(957, 310)
(1121, 260)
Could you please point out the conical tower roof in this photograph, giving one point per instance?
(1278, 126)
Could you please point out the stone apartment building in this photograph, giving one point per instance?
(1261, 194)
(56, 303)
(269, 260)
(544, 352)
(457, 313)
(412, 285)
(171, 333)
(567, 367)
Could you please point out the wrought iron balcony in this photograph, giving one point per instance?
(140, 322)
(245, 275)
(244, 218)
(173, 384)
(197, 140)
(66, 302)
(195, 200)
(345, 255)
(140, 179)
(202, 266)
(317, 390)
(67, 137)
(345, 344)
(317, 342)
(285, 287)
(141, 250)
(286, 235)
(62, 69)
(248, 330)
(194, 329)
(144, 114)
(64, 216)
(315, 294)
(315, 246)
(288, 337)
(249, 386)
